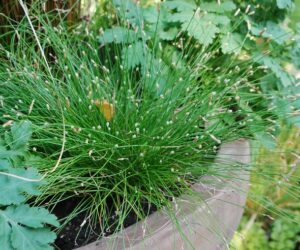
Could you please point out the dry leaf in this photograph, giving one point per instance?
(106, 108)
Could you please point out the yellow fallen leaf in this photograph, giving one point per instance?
(106, 108)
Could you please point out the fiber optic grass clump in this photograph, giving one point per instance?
(123, 127)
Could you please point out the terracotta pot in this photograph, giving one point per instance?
(205, 221)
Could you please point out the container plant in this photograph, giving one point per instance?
(128, 118)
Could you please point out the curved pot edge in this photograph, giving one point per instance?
(208, 225)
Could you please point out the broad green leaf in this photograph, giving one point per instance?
(225, 6)
(13, 189)
(5, 231)
(202, 31)
(24, 238)
(284, 4)
(15, 141)
(181, 17)
(34, 217)
(295, 120)
(117, 35)
(159, 74)
(216, 19)
(285, 233)
(22, 228)
(231, 43)
(180, 5)
(134, 55)
(284, 111)
(169, 34)
(272, 63)
(10, 154)
(129, 12)
(204, 23)
(287, 105)
(266, 139)
(21, 133)
(155, 22)
(151, 15)
(295, 55)
(271, 30)
(4, 164)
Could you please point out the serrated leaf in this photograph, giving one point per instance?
(4, 164)
(34, 239)
(216, 19)
(231, 43)
(266, 139)
(21, 133)
(284, 4)
(129, 12)
(159, 73)
(134, 55)
(10, 154)
(8, 139)
(13, 189)
(223, 7)
(150, 15)
(117, 35)
(34, 217)
(169, 34)
(183, 16)
(155, 22)
(202, 31)
(287, 105)
(199, 24)
(295, 55)
(274, 66)
(21, 228)
(180, 5)
(271, 30)
(5, 230)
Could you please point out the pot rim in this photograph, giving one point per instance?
(223, 205)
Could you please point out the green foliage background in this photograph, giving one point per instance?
(262, 227)
(269, 40)
(268, 230)
(21, 226)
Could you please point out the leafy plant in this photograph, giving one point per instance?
(284, 235)
(136, 114)
(135, 121)
(273, 204)
(254, 28)
(21, 226)
(251, 237)
(234, 27)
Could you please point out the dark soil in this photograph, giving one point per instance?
(75, 234)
